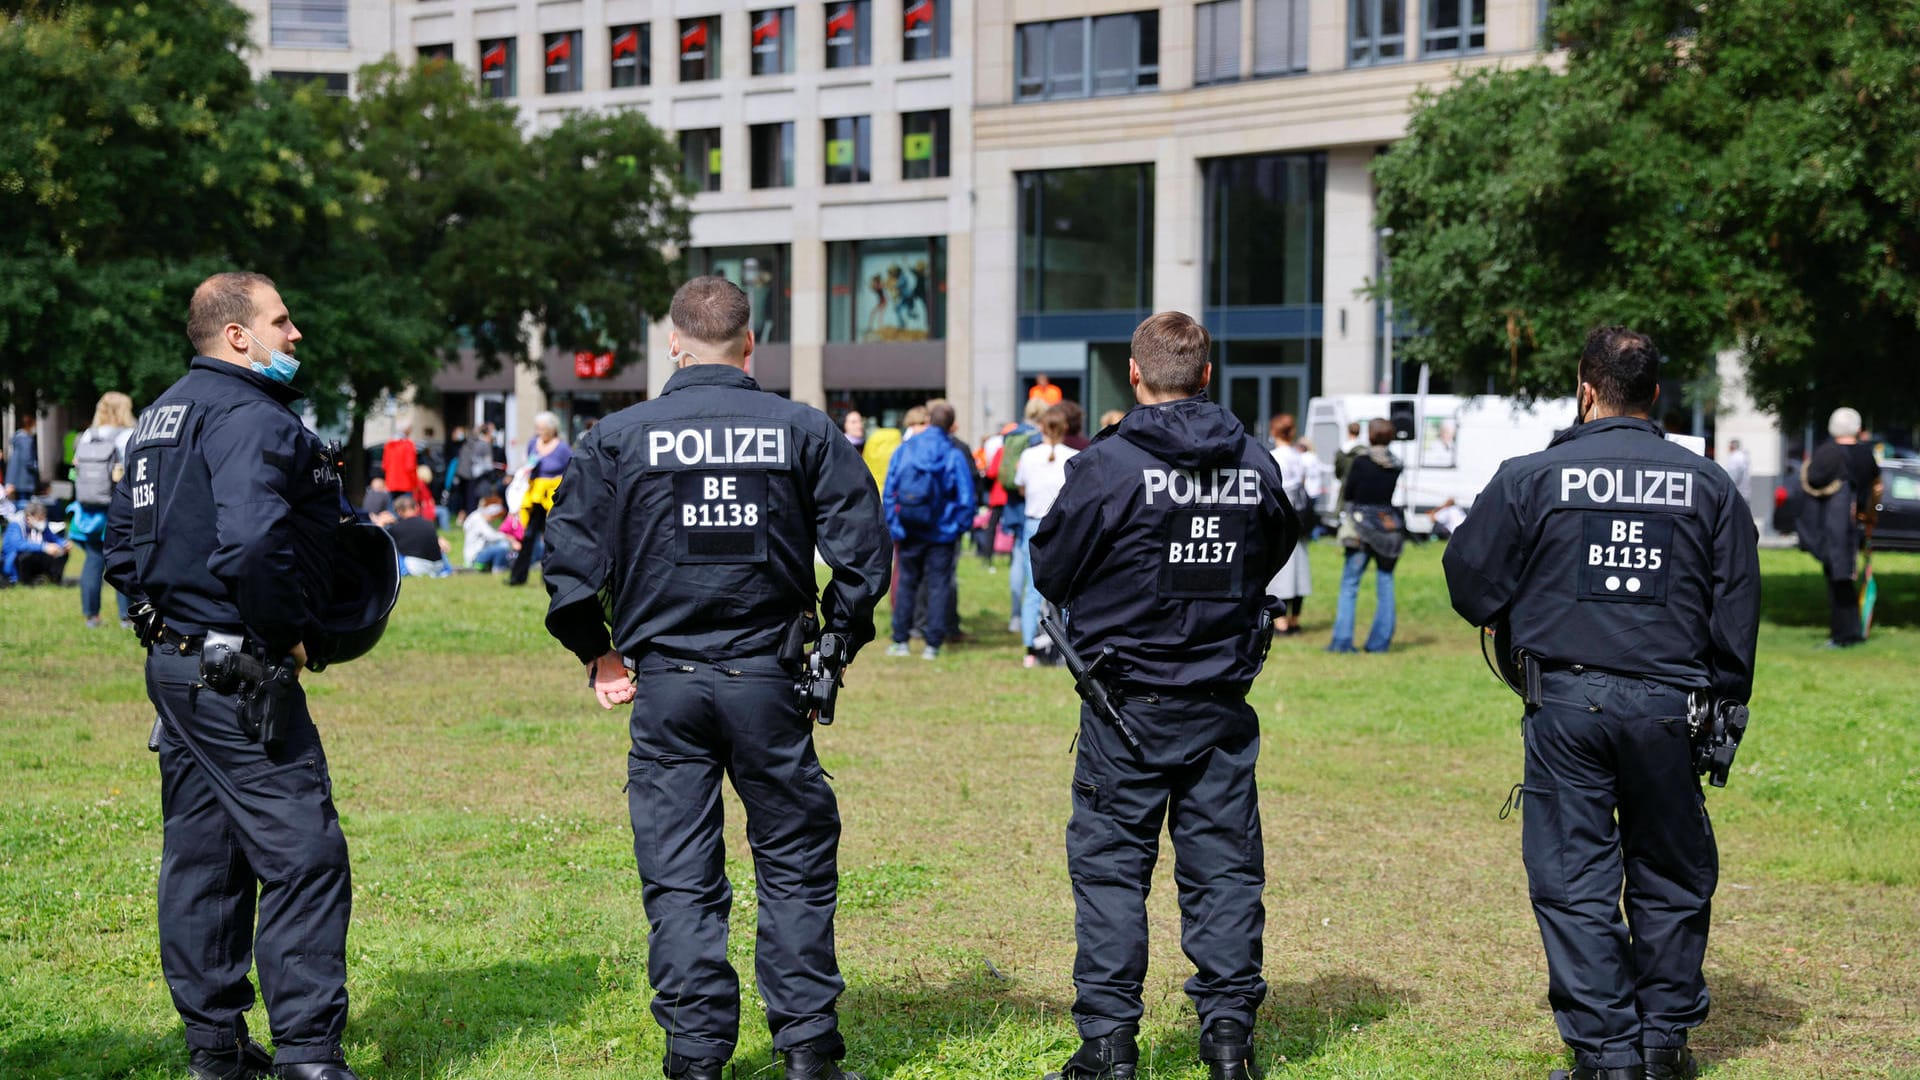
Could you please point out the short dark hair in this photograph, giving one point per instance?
(1622, 366)
(940, 414)
(711, 309)
(1171, 351)
(1379, 432)
(219, 300)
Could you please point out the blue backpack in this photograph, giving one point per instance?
(917, 495)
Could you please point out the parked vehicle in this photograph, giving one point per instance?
(1899, 526)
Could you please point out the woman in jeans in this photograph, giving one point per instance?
(1370, 529)
(547, 457)
(112, 422)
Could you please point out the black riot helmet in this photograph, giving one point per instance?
(366, 582)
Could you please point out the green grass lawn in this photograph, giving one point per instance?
(498, 930)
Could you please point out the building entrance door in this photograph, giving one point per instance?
(1258, 393)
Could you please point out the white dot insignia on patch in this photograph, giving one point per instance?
(1633, 584)
(1613, 583)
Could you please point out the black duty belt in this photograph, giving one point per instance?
(1532, 667)
(1204, 691)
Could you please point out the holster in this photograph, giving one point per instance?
(1530, 680)
(262, 692)
(799, 634)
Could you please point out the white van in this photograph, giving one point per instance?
(1462, 441)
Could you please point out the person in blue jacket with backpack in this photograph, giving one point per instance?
(930, 500)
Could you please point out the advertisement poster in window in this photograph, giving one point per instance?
(919, 19)
(693, 43)
(626, 56)
(917, 147)
(756, 277)
(496, 64)
(896, 301)
(766, 41)
(842, 24)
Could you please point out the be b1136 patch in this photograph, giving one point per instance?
(1626, 558)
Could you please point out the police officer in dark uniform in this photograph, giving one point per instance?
(1160, 547)
(223, 533)
(1621, 572)
(690, 522)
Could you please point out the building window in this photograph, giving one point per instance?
(927, 34)
(1376, 32)
(308, 24)
(1453, 27)
(761, 272)
(700, 158)
(849, 157)
(498, 75)
(1279, 36)
(700, 49)
(1086, 240)
(333, 83)
(440, 53)
(563, 62)
(1216, 42)
(1074, 58)
(632, 55)
(924, 145)
(773, 41)
(887, 290)
(1266, 220)
(849, 38)
(772, 149)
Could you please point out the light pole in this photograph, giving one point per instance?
(1383, 382)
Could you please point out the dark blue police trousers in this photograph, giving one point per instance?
(1611, 796)
(693, 721)
(1195, 772)
(245, 827)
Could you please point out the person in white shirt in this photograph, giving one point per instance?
(1739, 467)
(487, 548)
(1041, 474)
(1294, 582)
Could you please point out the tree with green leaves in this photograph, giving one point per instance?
(415, 218)
(1740, 176)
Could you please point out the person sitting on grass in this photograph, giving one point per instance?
(488, 548)
(423, 551)
(34, 553)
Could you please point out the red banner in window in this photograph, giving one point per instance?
(626, 44)
(766, 32)
(592, 365)
(840, 26)
(920, 15)
(693, 43)
(560, 50)
(495, 57)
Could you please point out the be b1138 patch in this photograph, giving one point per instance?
(1205, 554)
(1626, 558)
(722, 516)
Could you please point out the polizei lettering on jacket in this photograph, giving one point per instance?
(717, 444)
(1202, 487)
(1604, 485)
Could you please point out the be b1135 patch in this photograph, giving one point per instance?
(1626, 558)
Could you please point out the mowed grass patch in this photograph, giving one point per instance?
(498, 930)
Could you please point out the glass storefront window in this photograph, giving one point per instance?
(887, 290)
(773, 41)
(1086, 239)
(1265, 225)
(761, 270)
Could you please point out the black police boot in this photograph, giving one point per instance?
(1669, 1063)
(1625, 1072)
(817, 1062)
(1227, 1048)
(314, 1070)
(676, 1067)
(247, 1063)
(1112, 1056)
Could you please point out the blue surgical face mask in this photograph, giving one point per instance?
(279, 366)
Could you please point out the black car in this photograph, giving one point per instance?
(1899, 526)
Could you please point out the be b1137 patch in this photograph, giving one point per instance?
(1205, 554)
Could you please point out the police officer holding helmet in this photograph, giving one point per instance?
(1618, 570)
(690, 523)
(226, 534)
(1159, 548)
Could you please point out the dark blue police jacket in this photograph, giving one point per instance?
(1619, 550)
(225, 516)
(689, 522)
(1162, 542)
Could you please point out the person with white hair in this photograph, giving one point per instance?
(1839, 486)
(547, 458)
